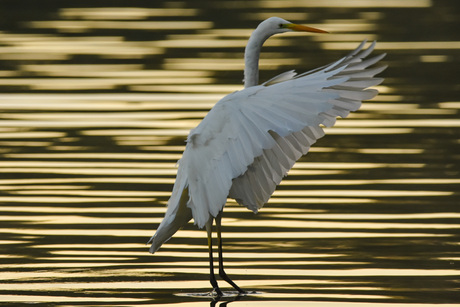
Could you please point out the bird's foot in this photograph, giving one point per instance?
(219, 294)
(228, 280)
(240, 291)
(216, 292)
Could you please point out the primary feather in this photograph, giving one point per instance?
(251, 138)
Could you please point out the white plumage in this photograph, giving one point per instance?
(251, 138)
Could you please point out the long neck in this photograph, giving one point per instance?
(251, 57)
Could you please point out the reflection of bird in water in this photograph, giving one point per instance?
(251, 138)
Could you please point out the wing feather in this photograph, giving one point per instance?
(368, 73)
(357, 83)
(276, 169)
(284, 148)
(366, 63)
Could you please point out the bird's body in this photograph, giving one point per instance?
(251, 138)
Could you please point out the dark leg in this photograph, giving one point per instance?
(211, 260)
(221, 260)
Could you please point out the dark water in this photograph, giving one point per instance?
(96, 100)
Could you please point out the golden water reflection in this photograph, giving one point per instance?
(96, 104)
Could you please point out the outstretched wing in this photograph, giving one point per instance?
(346, 82)
(252, 138)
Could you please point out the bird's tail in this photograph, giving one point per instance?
(177, 215)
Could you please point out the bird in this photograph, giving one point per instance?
(251, 138)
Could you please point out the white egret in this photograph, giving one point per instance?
(251, 138)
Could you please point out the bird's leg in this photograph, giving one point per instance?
(211, 260)
(221, 260)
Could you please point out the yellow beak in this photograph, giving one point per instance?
(296, 27)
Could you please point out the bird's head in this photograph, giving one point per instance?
(279, 25)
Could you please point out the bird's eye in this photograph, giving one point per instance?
(280, 25)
